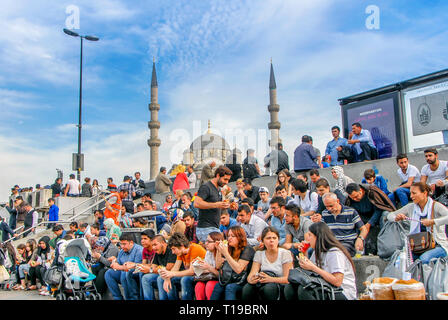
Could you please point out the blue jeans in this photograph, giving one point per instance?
(202, 233)
(149, 283)
(230, 291)
(402, 194)
(114, 278)
(185, 284)
(425, 258)
(132, 284)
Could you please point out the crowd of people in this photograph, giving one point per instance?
(229, 244)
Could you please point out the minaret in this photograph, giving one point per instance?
(154, 125)
(273, 108)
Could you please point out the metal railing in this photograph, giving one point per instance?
(67, 221)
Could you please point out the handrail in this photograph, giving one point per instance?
(69, 219)
(76, 206)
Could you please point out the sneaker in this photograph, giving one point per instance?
(45, 293)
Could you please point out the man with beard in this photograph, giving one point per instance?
(209, 201)
(435, 173)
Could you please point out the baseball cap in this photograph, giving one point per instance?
(263, 189)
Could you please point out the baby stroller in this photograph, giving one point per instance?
(76, 281)
(7, 260)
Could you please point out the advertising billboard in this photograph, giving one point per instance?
(379, 115)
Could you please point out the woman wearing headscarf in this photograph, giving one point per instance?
(113, 232)
(341, 180)
(104, 249)
(41, 264)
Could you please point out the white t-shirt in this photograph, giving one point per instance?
(433, 176)
(334, 261)
(309, 203)
(411, 171)
(73, 185)
(284, 256)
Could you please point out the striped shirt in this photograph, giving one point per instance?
(345, 225)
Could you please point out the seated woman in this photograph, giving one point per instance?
(203, 289)
(103, 253)
(113, 232)
(40, 263)
(282, 179)
(20, 260)
(270, 269)
(341, 180)
(425, 215)
(232, 261)
(330, 260)
(168, 203)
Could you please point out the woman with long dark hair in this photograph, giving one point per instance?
(283, 179)
(330, 260)
(232, 261)
(270, 269)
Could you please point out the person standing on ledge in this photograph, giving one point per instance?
(209, 201)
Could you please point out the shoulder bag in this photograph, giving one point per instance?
(423, 241)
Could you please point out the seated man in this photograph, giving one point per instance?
(252, 224)
(175, 280)
(250, 191)
(280, 191)
(314, 177)
(295, 229)
(323, 187)
(60, 233)
(378, 180)
(226, 222)
(435, 173)
(190, 227)
(304, 198)
(163, 258)
(278, 221)
(408, 175)
(187, 205)
(345, 223)
(99, 218)
(363, 147)
(134, 278)
(129, 254)
(75, 228)
(372, 205)
(263, 204)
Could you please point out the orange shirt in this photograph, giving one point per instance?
(115, 213)
(194, 250)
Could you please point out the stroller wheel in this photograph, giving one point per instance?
(92, 296)
(71, 298)
(97, 296)
(61, 296)
(79, 296)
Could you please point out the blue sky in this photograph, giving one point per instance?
(212, 63)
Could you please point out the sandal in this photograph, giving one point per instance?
(33, 287)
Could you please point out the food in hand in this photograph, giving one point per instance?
(225, 242)
(301, 256)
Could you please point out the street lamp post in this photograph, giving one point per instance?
(90, 38)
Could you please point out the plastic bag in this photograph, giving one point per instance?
(409, 290)
(4, 275)
(382, 288)
(391, 271)
(391, 238)
(438, 279)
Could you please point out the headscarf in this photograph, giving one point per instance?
(340, 181)
(111, 227)
(102, 242)
(47, 249)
